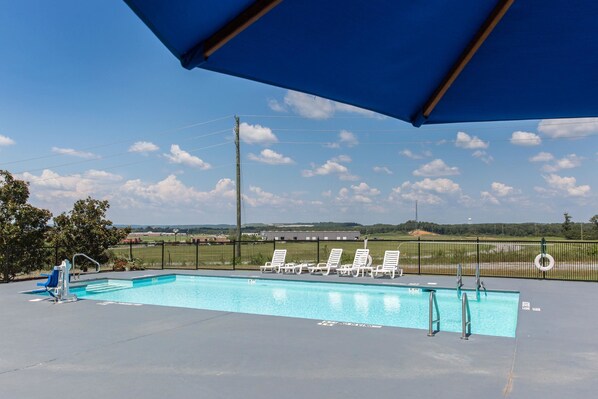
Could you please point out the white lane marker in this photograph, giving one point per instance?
(328, 323)
(118, 303)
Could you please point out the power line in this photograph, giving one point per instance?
(116, 166)
(158, 134)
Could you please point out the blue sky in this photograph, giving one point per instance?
(91, 103)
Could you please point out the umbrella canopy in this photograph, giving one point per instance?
(433, 61)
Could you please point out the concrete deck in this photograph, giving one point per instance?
(84, 350)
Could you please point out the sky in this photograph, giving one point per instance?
(92, 104)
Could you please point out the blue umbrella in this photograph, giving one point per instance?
(433, 61)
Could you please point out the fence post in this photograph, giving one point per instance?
(419, 256)
(196, 255)
(162, 255)
(543, 251)
(478, 251)
(130, 250)
(318, 250)
(234, 254)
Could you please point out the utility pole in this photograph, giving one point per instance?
(416, 212)
(238, 184)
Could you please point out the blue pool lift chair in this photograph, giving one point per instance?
(51, 284)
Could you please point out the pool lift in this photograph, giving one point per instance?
(63, 293)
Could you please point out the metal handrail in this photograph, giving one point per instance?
(431, 321)
(478, 282)
(465, 317)
(92, 260)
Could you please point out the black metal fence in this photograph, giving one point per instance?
(574, 260)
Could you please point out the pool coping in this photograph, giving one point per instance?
(554, 354)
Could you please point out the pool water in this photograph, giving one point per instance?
(494, 313)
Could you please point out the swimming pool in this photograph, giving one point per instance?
(494, 313)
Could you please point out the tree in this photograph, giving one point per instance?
(567, 226)
(86, 230)
(594, 221)
(23, 229)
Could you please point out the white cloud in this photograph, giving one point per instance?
(364, 189)
(426, 191)
(309, 106)
(566, 186)
(270, 157)
(172, 192)
(143, 147)
(489, 198)
(348, 177)
(440, 186)
(74, 153)
(542, 157)
(332, 166)
(409, 154)
(256, 134)
(424, 198)
(6, 141)
(361, 193)
(342, 158)
(356, 110)
(57, 192)
(276, 106)
(258, 197)
(314, 107)
(436, 168)
(347, 138)
(464, 140)
(179, 156)
(526, 139)
(382, 169)
(501, 189)
(571, 127)
(102, 175)
(344, 138)
(483, 156)
(568, 162)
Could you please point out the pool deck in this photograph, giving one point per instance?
(90, 349)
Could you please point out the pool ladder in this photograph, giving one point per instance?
(431, 320)
(465, 318)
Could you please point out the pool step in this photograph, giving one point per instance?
(108, 286)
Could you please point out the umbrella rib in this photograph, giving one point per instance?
(493, 19)
(200, 52)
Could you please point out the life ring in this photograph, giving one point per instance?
(539, 265)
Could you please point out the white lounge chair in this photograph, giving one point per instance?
(361, 263)
(277, 261)
(389, 266)
(334, 261)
